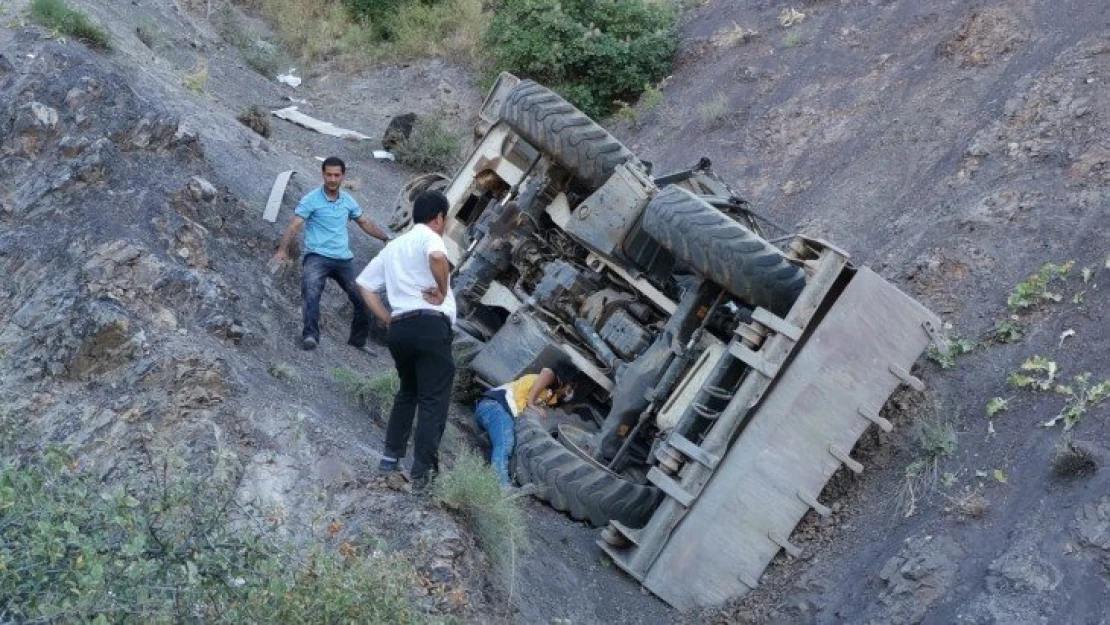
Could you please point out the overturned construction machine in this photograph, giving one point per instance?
(723, 380)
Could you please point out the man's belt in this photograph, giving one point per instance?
(419, 312)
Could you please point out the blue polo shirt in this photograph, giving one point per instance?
(325, 228)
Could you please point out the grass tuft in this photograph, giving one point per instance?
(936, 439)
(285, 371)
(257, 119)
(58, 15)
(471, 489)
(197, 80)
(373, 392)
(1073, 460)
(432, 146)
(714, 110)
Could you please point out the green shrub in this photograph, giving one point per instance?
(432, 146)
(173, 549)
(57, 14)
(593, 53)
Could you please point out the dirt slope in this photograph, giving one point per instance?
(955, 148)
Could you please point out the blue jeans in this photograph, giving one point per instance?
(315, 270)
(493, 418)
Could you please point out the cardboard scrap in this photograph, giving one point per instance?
(291, 114)
(273, 205)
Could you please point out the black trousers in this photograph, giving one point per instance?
(315, 271)
(421, 349)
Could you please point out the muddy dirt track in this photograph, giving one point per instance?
(956, 148)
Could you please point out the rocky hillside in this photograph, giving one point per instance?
(957, 149)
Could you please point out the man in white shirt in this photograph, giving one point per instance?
(414, 271)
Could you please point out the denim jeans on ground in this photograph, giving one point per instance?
(315, 271)
(493, 418)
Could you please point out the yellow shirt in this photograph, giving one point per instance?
(518, 390)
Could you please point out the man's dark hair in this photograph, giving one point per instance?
(565, 372)
(334, 161)
(428, 206)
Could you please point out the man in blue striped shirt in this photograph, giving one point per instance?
(323, 214)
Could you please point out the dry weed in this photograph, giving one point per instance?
(1073, 460)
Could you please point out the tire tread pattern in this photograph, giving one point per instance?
(562, 132)
(722, 250)
(572, 485)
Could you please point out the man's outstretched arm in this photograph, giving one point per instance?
(372, 229)
(291, 231)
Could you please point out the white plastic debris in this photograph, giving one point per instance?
(289, 79)
(382, 155)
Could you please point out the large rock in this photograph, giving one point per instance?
(398, 130)
(920, 575)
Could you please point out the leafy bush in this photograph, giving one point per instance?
(593, 53)
(176, 550)
(57, 14)
(432, 146)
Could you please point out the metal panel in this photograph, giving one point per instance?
(602, 220)
(722, 544)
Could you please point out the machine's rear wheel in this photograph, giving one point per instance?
(562, 132)
(722, 250)
(572, 485)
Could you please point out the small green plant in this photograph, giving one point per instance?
(792, 39)
(197, 79)
(1035, 289)
(1073, 460)
(432, 146)
(650, 99)
(285, 371)
(1081, 396)
(997, 405)
(1007, 331)
(58, 15)
(371, 392)
(791, 17)
(713, 111)
(471, 489)
(1040, 374)
(956, 347)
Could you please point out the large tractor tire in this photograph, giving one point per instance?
(572, 485)
(563, 133)
(722, 250)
